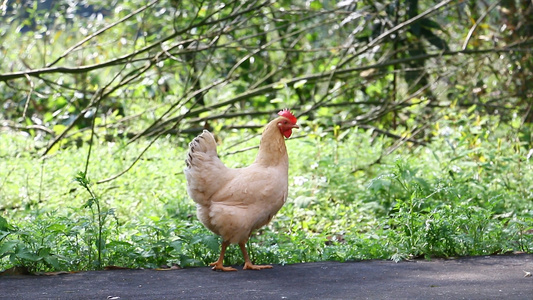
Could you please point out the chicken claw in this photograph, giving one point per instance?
(247, 263)
(217, 266)
(250, 266)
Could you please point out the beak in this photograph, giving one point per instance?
(295, 126)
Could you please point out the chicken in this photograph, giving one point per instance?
(233, 203)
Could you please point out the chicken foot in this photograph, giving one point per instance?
(247, 263)
(218, 265)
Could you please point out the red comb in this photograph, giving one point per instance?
(287, 114)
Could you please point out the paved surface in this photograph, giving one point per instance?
(492, 277)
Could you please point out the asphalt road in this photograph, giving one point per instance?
(490, 277)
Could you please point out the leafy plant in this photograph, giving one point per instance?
(31, 247)
(100, 216)
(465, 193)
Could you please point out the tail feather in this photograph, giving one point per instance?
(205, 172)
(204, 143)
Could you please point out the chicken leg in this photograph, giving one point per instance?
(247, 263)
(218, 265)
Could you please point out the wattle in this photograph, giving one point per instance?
(287, 133)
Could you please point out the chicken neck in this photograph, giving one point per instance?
(272, 150)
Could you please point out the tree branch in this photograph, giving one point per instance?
(128, 57)
(393, 30)
(90, 37)
(473, 28)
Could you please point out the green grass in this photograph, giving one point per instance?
(466, 193)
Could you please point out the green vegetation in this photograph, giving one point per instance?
(416, 127)
(465, 193)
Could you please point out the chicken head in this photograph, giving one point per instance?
(287, 123)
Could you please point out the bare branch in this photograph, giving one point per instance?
(393, 30)
(32, 88)
(90, 37)
(474, 27)
(128, 57)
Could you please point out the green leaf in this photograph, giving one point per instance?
(4, 226)
(53, 261)
(25, 254)
(156, 219)
(59, 128)
(57, 227)
(428, 23)
(4, 234)
(7, 248)
(342, 135)
(89, 203)
(315, 5)
(299, 83)
(177, 245)
(211, 242)
(278, 85)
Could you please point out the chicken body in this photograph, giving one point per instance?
(234, 202)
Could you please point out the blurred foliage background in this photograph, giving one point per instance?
(412, 113)
(134, 69)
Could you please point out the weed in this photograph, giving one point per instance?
(463, 194)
